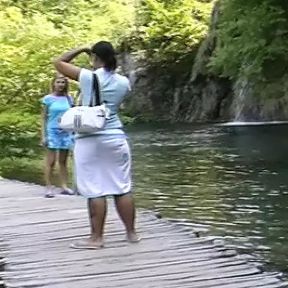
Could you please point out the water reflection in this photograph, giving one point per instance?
(231, 178)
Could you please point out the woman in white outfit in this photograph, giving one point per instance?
(102, 159)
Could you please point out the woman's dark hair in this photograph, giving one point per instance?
(105, 51)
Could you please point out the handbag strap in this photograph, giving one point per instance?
(69, 101)
(95, 91)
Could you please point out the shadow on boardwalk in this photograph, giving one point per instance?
(37, 233)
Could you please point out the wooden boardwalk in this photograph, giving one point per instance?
(36, 234)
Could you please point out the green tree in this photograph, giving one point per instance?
(169, 30)
(253, 44)
(36, 31)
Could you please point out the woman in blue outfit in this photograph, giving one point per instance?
(57, 141)
(102, 159)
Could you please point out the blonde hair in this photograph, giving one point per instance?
(58, 76)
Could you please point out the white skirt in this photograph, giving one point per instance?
(103, 166)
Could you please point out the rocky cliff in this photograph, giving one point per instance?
(188, 92)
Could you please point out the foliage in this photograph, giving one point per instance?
(252, 39)
(33, 32)
(169, 30)
(126, 119)
(19, 135)
(23, 169)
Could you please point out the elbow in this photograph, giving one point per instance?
(56, 62)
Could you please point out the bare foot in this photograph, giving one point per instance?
(88, 244)
(133, 237)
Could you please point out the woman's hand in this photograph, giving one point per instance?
(86, 50)
(43, 142)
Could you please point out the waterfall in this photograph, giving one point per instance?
(241, 90)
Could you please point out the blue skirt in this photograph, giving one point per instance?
(59, 139)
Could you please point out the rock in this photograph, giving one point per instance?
(182, 92)
(188, 92)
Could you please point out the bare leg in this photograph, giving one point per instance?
(126, 210)
(97, 213)
(90, 213)
(63, 156)
(49, 166)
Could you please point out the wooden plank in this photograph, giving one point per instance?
(37, 232)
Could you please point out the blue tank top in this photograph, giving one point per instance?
(56, 106)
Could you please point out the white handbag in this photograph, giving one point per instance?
(86, 119)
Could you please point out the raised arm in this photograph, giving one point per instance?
(63, 65)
